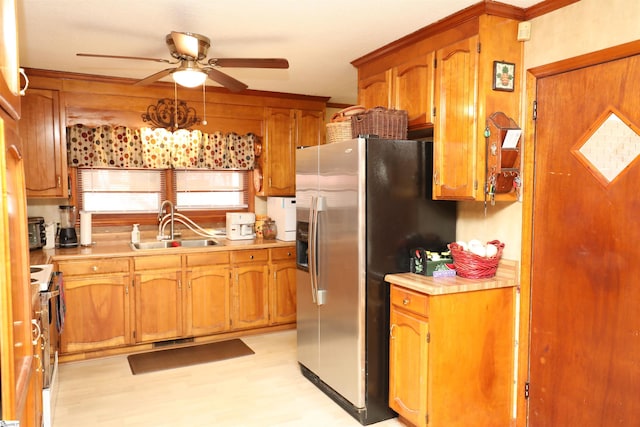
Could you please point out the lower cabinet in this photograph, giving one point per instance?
(158, 290)
(282, 286)
(124, 301)
(207, 298)
(98, 304)
(451, 357)
(249, 288)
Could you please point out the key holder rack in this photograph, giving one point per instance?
(503, 137)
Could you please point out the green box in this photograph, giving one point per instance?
(431, 265)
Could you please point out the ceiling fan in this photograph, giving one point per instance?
(190, 51)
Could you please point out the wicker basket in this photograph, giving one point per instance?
(338, 131)
(472, 266)
(385, 123)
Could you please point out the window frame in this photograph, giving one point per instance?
(199, 216)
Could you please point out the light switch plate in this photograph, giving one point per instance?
(524, 31)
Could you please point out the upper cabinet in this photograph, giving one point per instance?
(44, 144)
(286, 129)
(408, 86)
(445, 77)
(454, 172)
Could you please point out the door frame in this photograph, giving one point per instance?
(532, 76)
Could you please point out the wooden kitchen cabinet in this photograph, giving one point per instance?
(44, 142)
(249, 288)
(451, 357)
(443, 76)
(208, 290)
(287, 129)
(455, 138)
(407, 86)
(158, 298)
(98, 300)
(282, 286)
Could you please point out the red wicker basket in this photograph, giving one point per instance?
(472, 266)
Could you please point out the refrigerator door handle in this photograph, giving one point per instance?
(312, 249)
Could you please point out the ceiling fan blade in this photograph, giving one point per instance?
(153, 77)
(250, 62)
(225, 80)
(186, 44)
(94, 55)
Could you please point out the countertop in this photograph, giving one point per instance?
(506, 276)
(120, 248)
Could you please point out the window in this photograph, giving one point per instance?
(135, 192)
(206, 189)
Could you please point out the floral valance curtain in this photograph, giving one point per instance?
(122, 147)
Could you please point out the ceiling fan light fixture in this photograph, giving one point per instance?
(189, 77)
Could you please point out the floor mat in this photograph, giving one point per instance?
(185, 356)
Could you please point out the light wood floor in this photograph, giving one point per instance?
(265, 389)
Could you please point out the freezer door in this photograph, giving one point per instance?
(308, 328)
(341, 270)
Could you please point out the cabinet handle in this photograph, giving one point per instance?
(94, 268)
(250, 256)
(59, 181)
(435, 177)
(391, 331)
(179, 284)
(36, 331)
(406, 301)
(288, 253)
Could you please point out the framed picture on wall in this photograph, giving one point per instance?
(503, 75)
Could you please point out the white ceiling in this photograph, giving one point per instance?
(320, 38)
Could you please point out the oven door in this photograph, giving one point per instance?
(52, 320)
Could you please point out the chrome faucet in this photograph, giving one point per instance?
(160, 216)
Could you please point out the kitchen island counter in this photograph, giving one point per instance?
(506, 276)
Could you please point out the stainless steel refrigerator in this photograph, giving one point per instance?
(362, 205)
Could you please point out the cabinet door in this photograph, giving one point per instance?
(250, 296)
(282, 292)
(9, 75)
(158, 305)
(375, 91)
(279, 156)
(44, 151)
(455, 140)
(310, 128)
(98, 313)
(413, 84)
(207, 308)
(408, 361)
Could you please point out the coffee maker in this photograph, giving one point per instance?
(67, 237)
(241, 225)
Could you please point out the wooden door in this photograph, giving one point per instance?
(44, 151)
(408, 360)
(413, 84)
(280, 163)
(310, 128)
(98, 313)
(207, 310)
(158, 305)
(250, 295)
(375, 91)
(454, 132)
(585, 322)
(283, 292)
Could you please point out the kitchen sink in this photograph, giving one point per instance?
(168, 244)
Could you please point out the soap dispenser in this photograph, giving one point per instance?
(135, 234)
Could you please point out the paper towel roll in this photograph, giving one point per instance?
(85, 228)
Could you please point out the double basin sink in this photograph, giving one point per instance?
(176, 243)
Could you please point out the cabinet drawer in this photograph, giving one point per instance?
(94, 266)
(209, 258)
(249, 256)
(278, 254)
(157, 262)
(413, 301)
